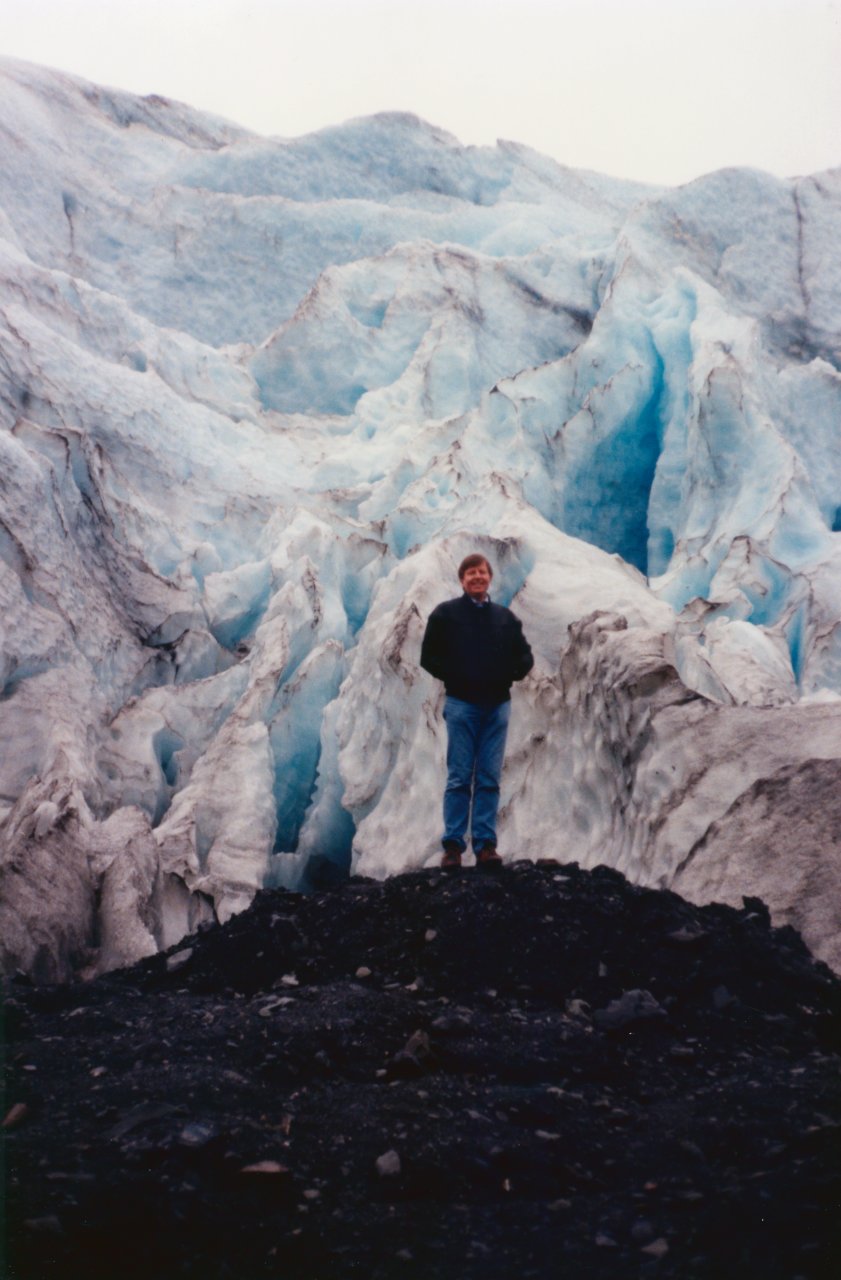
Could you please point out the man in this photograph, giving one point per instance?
(478, 649)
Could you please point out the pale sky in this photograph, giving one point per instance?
(659, 90)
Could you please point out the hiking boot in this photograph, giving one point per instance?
(488, 856)
(451, 860)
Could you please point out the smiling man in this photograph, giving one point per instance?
(478, 649)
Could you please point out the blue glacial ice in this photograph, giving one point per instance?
(259, 396)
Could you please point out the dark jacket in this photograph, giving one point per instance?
(478, 651)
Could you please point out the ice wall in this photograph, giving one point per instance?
(258, 397)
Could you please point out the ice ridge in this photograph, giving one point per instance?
(258, 397)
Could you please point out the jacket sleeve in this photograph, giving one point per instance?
(522, 658)
(433, 649)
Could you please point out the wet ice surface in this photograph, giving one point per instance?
(442, 1077)
(258, 400)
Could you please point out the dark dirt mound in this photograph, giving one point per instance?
(538, 1073)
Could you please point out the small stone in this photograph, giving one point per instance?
(15, 1115)
(545, 1136)
(687, 936)
(142, 1114)
(605, 1241)
(414, 1054)
(178, 959)
(312, 1193)
(451, 1022)
(578, 1008)
(755, 909)
(405, 1255)
(46, 1226)
(266, 1010)
(388, 1164)
(557, 1205)
(429, 936)
(657, 1249)
(271, 1167)
(418, 1044)
(363, 971)
(289, 980)
(632, 1006)
(99, 1071)
(197, 1134)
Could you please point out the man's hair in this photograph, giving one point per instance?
(471, 562)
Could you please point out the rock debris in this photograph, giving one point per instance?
(465, 1113)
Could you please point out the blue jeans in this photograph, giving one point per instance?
(475, 749)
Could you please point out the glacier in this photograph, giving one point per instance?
(259, 396)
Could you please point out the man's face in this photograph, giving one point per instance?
(476, 581)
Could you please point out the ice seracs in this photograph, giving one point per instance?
(257, 399)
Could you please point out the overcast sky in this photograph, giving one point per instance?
(660, 90)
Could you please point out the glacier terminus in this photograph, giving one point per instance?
(258, 398)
